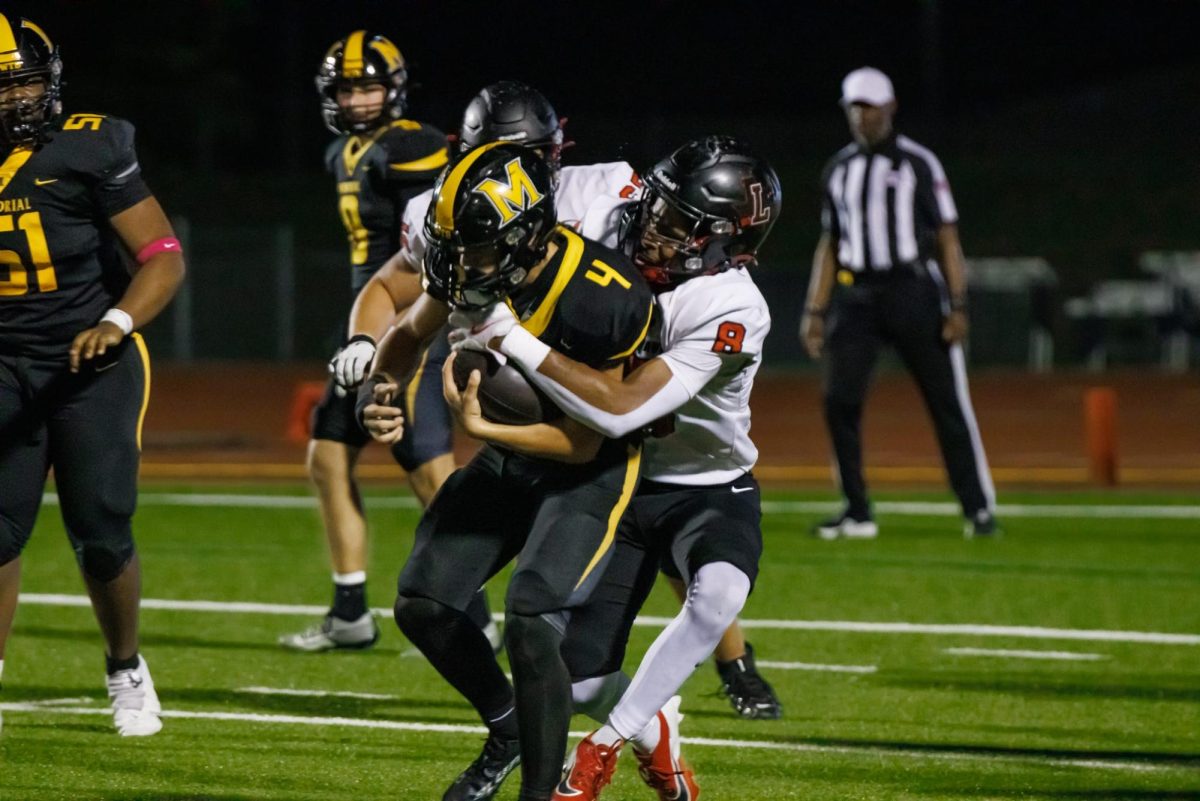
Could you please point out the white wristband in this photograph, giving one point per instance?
(120, 319)
(524, 348)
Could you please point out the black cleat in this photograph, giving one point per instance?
(483, 777)
(983, 524)
(749, 692)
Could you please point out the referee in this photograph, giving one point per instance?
(889, 269)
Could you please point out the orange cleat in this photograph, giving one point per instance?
(588, 770)
(663, 769)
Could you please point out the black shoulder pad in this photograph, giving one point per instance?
(98, 145)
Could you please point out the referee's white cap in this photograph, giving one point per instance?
(867, 85)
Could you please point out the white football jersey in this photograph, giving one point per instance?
(714, 322)
(578, 188)
(711, 323)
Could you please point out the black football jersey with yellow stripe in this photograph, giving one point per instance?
(589, 303)
(60, 267)
(377, 174)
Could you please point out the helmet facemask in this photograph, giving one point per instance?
(380, 64)
(339, 121)
(670, 242)
(707, 207)
(28, 115)
(490, 222)
(477, 276)
(470, 277)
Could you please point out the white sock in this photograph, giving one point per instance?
(715, 596)
(350, 579)
(607, 735)
(647, 739)
(1, 668)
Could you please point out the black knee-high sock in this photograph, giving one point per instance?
(543, 691)
(458, 650)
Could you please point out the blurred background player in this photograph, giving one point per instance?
(380, 161)
(706, 210)
(890, 244)
(74, 377)
(549, 494)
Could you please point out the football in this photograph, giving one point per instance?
(505, 395)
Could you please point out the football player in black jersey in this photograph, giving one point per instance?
(549, 494)
(380, 161)
(74, 375)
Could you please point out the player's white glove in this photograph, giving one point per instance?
(349, 365)
(478, 327)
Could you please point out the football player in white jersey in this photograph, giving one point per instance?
(705, 212)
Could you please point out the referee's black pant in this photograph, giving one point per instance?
(903, 307)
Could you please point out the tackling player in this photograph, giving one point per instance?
(511, 111)
(705, 212)
(551, 495)
(74, 375)
(380, 160)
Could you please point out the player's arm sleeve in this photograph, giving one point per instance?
(693, 359)
(118, 183)
(673, 395)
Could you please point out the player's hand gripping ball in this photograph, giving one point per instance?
(505, 395)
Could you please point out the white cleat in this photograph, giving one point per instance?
(136, 710)
(847, 527)
(334, 633)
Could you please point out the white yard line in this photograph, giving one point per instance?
(978, 630)
(861, 627)
(1066, 656)
(937, 509)
(46, 708)
(813, 666)
(315, 693)
(1046, 510)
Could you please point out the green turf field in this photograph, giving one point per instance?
(1034, 666)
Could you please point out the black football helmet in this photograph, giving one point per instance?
(712, 202)
(28, 58)
(510, 111)
(490, 220)
(362, 58)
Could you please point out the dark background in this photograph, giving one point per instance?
(1068, 129)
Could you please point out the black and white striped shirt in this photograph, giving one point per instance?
(885, 205)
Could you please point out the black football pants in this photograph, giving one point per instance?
(88, 426)
(905, 310)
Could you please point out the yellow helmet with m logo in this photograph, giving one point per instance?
(30, 82)
(362, 58)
